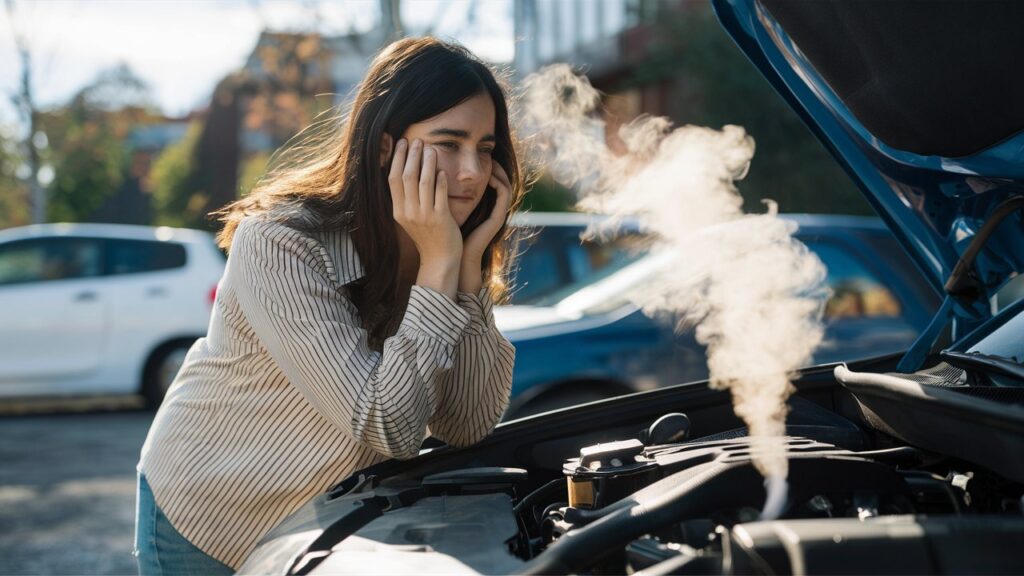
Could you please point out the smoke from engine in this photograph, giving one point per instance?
(752, 293)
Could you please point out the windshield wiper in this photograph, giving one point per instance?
(985, 362)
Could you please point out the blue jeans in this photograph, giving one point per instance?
(159, 549)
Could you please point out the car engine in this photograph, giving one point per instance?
(660, 502)
(693, 508)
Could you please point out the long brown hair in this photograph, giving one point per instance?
(330, 178)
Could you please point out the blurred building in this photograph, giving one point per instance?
(352, 55)
(273, 92)
(152, 138)
(671, 58)
(292, 69)
(605, 39)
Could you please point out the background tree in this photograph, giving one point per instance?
(545, 194)
(714, 85)
(252, 112)
(14, 193)
(177, 199)
(87, 143)
(24, 101)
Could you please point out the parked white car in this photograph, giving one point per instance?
(101, 308)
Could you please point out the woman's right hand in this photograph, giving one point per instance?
(419, 197)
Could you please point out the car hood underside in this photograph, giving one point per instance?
(920, 103)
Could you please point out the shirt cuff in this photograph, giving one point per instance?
(434, 314)
(480, 308)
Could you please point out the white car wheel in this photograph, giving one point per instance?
(168, 368)
(161, 372)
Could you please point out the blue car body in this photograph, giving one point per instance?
(613, 348)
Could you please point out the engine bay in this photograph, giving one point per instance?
(696, 511)
(658, 501)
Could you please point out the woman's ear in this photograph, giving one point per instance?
(386, 145)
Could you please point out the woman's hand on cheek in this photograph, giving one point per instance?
(419, 197)
(476, 243)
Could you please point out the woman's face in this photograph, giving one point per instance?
(463, 137)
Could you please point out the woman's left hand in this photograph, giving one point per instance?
(476, 243)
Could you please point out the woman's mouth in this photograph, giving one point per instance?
(460, 198)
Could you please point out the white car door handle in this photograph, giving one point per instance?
(156, 292)
(87, 296)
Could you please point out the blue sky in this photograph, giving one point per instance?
(183, 47)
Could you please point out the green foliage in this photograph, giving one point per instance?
(89, 165)
(715, 85)
(14, 201)
(86, 143)
(177, 200)
(547, 195)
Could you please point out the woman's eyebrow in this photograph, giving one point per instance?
(461, 134)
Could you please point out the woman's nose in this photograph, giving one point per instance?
(470, 168)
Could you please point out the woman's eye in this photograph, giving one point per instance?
(487, 151)
(450, 146)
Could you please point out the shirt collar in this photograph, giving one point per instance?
(342, 250)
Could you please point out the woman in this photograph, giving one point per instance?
(354, 313)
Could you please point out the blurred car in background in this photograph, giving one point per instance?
(101, 308)
(579, 337)
(554, 254)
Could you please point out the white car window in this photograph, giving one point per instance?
(48, 259)
(134, 256)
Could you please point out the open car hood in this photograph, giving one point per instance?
(920, 102)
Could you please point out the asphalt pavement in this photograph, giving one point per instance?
(67, 487)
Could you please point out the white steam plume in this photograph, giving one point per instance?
(753, 292)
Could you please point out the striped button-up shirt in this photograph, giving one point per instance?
(284, 397)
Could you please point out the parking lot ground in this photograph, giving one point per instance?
(67, 488)
(70, 405)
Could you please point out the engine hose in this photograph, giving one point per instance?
(556, 486)
(579, 549)
(699, 491)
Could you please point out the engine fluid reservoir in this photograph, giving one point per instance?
(605, 473)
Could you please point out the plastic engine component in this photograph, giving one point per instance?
(908, 544)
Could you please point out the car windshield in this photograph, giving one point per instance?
(564, 292)
(559, 263)
(1007, 341)
(616, 289)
